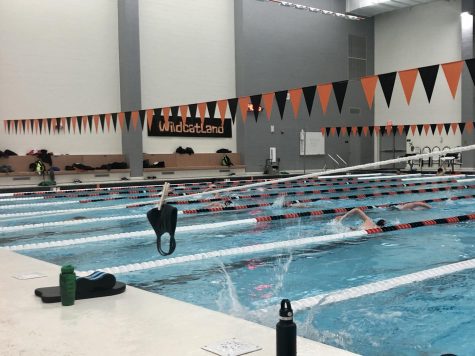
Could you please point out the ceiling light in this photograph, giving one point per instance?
(320, 11)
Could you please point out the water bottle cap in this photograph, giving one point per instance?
(67, 269)
(285, 312)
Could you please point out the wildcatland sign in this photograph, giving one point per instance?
(191, 128)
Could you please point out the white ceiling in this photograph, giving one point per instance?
(370, 8)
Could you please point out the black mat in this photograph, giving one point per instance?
(52, 294)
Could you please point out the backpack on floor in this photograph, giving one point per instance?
(226, 161)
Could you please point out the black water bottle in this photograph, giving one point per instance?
(286, 331)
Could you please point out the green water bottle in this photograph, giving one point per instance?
(67, 285)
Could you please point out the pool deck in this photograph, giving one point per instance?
(136, 322)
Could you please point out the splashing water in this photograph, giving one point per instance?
(228, 301)
(278, 202)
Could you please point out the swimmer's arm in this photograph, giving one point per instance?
(414, 205)
(354, 211)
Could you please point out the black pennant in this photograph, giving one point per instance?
(79, 120)
(232, 103)
(387, 84)
(327, 130)
(15, 122)
(419, 128)
(471, 68)
(23, 124)
(461, 126)
(192, 108)
(339, 88)
(157, 113)
(40, 125)
(211, 105)
(371, 129)
(338, 130)
(348, 130)
(359, 129)
(256, 103)
(406, 129)
(309, 96)
(58, 124)
(114, 121)
(429, 75)
(102, 119)
(281, 99)
(128, 115)
(447, 128)
(49, 125)
(394, 129)
(433, 127)
(142, 118)
(174, 112)
(32, 125)
(68, 122)
(382, 130)
(89, 121)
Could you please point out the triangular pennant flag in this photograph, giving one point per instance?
(333, 131)
(339, 88)
(121, 118)
(382, 130)
(413, 129)
(429, 75)
(454, 127)
(23, 125)
(433, 127)
(166, 116)
(322, 130)
(41, 122)
(309, 96)
(281, 98)
(338, 129)
(222, 106)
(157, 113)
(419, 128)
(114, 121)
(295, 99)
(79, 122)
(174, 112)
(360, 130)
(128, 116)
(58, 124)
(135, 119)
(183, 113)
(440, 127)
(108, 122)
(344, 131)
(233, 108)
(354, 131)
(471, 68)
(243, 104)
(348, 130)
(89, 120)
(5, 125)
(84, 123)
(406, 129)
(387, 85)
(192, 108)
(408, 80)
(447, 128)
(102, 118)
(452, 73)
(149, 114)
(371, 130)
(202, 111)
(256, 103)
(369, 87)
(324, 91)
(49, 125)
(395, 130)
(73, 122)
(400, 129)
(469, 126)
(211, 105)
(461, 126)
(389, 129)
(268, 101)
(376, 130)
(96, 122)
(15, 122)
(328, 130)
(426, 128)
(142, 118)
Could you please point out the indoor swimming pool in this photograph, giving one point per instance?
(405, 289)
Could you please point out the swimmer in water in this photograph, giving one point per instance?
(418, 205)
(298, 204)
(367, 223)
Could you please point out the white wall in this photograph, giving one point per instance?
(415, 37)
(187, 56)
(59, 58)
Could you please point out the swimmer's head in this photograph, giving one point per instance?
(381, 222)
(228, 203)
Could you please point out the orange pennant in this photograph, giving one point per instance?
(389, 129)
(45, 125)
(440, 127)
(135, 119)
(413, 129)
(469, 127)
(343, 131)
(333, 131)
(354, 130)
(5, 125)
(365, 130)
(452, 74)
(84, 124)
(376, 130)
(295, 98)
(322, 130)
(324, 91)
(268, 100)
(121, 118)
(369, 86)
(183, 113)
(426, 128)
(408, 80)
(222, 105)
(454, 126)
(96, 122)
(400, 129)
(74, 121)
(150, 113)
(166, 116)
(108, 122)
(63, 124)
(202, 111)
(243, 103)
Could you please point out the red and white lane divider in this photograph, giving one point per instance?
(37, 205)
(275, 245)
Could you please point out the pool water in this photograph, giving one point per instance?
(431, 317)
